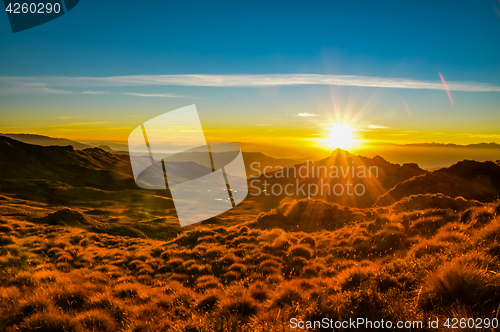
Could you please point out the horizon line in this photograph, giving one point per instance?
(238, 142)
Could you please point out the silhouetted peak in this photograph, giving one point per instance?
(96, 149)
(379, 161)
(105, 148)
(411, 165)
(472, 168)
(339, 150)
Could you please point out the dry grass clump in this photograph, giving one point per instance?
(387, 240)
(467, 281)
(24, 279)
(489, 234)
(208, 303)
(126, 291)
(113, 306)
(366, 303)
(268, 267)
(308, 240)
(427, 247)
(259, 292)
(48, 322)
(207, 282)
(292, 266)
(301, 251)
(71, 296)
(240, 308)
(449, 236)
(312, 270)
(96, 320)
(427, 226)
(243, 240)
(134, 292)
(214, 252)
(6, 240)
(278, 247)
(354, 277)
(37, 302)
(384, 282)
(288, 297)
(269, 236)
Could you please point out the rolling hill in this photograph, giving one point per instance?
(468, 179)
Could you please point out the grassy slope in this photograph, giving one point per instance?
(392, 263)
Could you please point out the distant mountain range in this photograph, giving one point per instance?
(258, 158)
(90, 167)
(337, 175)
(62, 174)
(46, 140)
(450, 145)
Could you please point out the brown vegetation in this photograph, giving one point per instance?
(385, 264)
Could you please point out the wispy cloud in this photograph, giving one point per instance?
(162, 95)
(52, 83)
(305, 114)
(53, 91)
(86, 123)
(372, 126)
(8, 87)
(95, 92)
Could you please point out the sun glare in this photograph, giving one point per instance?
(341, 136)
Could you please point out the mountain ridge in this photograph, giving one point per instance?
(469, 179)
(387, 175)
(42, 140)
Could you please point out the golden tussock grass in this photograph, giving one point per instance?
(385, 264)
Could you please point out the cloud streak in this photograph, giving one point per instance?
(161, 95)
(372, 126)
(54, 82)
(95, 92)
(306, 115)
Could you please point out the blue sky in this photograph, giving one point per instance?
(382, 39)
(372, 38)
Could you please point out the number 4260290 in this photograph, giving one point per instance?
(33, 8)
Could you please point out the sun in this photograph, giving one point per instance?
(341, 136)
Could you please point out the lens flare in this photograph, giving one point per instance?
(446, 88)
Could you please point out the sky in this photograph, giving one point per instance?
(281, 74)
